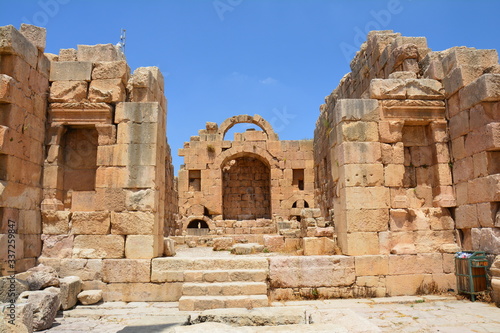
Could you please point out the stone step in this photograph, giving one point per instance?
(170, 269)
(200, 303)
(228, 275)
(224, 289)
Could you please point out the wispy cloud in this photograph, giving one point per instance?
(269, 81)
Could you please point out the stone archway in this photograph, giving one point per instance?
(246, 188)
(241, 119)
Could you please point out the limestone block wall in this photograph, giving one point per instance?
(105, 168)
(253, 177)
(24, 83)
(383, 144)
(171, 196)
(471, 79)
(360, 276)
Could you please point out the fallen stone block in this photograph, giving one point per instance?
(223, 243)
(247, 248)
(22, 313)
(89, 297)
(11, 288)
(70, 288)
(42, 276)
(45, 306)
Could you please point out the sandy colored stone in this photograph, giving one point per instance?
(142, 292)
(223, 243)
(362, 174)
(126, 270)
(55, 222)
(107, 90)
(142, 246)
(111, 70)
(90, 223)
(372, 265)
(70, 287)
(312, 271)
(45, 305)
(89, 297)
(70, 71)
(98, 246)
(132, 223)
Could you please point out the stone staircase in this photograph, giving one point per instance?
(227, 283)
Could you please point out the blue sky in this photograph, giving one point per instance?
(276, 58)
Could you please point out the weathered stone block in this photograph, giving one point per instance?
(391, 131)
(169, 247)
(358, 131)
(143, 200)
(86, 269)
(70, 287)
(45, 305)
(425, 263)
(364, 220)
(111, 70)
(23, 322)
(132, 223)
(126, 270)
(99, 53)
(359, 243)
(359, 153)
(55, 222)
(314, 246)
(362, 174)
(67, 55)
(68, 91)
(8, 294)
(394, 175)
(57, 246)
(486, 239)
(484, 189)
(459, 125)
(36, 35)
(366, 197)
(13, 42)
(486, 88)
(89, 297)
(138, 112)
(107, 91)
(356, 109)
(70, 71)
(142, 246)
(98, 246)
(144, 133)
(142, 292)
(90, 223)
(274, 243)
(311, 271)
(372, 265)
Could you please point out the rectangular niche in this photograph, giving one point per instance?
(298, 179)
(194, 180)
(79, 162)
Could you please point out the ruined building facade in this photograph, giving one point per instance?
(404, 171)
(255, 178)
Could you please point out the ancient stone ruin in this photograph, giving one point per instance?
(403, 172)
